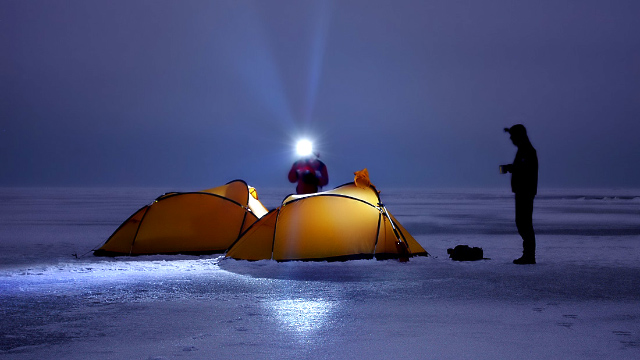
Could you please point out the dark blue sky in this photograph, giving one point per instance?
(197, 93)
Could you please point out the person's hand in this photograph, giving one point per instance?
(505, 168)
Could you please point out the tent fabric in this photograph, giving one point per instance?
(348, 222)
(206, 221)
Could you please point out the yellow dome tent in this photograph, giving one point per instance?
(346, 223)
(206, 221)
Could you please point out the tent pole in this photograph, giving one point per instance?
(401, 244)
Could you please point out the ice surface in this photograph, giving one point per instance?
(581, 301)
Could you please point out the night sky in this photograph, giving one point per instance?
(192, 94)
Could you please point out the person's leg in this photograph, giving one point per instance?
(524, 223)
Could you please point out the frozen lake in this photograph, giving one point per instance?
(581, 301)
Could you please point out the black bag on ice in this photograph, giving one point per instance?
(465, 253)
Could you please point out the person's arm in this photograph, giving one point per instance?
(524, 162)
(323, 178)
(516, 165)
(293, 173)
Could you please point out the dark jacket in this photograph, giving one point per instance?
(524, 170)
(310, 174)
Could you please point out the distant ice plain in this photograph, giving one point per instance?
(581, 301)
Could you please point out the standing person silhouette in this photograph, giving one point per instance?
(524, 184)
(310, 173)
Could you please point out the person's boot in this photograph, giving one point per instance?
(525, 259)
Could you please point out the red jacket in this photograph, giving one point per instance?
(310, 173)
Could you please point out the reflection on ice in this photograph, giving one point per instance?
(84, 275)
(302, 315)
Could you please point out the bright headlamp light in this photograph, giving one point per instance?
(304, 148)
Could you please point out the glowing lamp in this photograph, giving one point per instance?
(304, 148)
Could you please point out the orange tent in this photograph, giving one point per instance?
(348, 222)
(206, 221)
